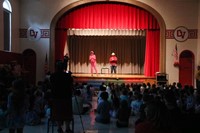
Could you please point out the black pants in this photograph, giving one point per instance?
(198, 84)
(113, 69)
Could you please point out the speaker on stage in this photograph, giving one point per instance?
(161, 78)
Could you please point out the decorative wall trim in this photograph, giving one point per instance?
(45, 33)
(105, 32)
(23, 33)
(192, 34)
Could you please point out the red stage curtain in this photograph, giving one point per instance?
(152, 53)
(109, 16)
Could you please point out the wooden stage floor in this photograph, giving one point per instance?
(119, 78)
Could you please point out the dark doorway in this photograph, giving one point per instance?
(29, 65)
(186, 68)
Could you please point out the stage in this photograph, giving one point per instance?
(97, 79)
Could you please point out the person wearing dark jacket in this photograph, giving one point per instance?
(62, 84)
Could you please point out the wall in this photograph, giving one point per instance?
(40, 13)
(198, 42)
(15, 26)
(1, 25)
(177, 13)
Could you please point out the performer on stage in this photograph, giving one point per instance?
(65, 61)
(113, 63)
(93, 62)
(198, 78)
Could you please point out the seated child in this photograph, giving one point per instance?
(123, 114)
(103, 109)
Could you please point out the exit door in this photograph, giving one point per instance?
(186, 68)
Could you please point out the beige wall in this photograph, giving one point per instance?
(1, 25)
(198, 41)
(177, 13)
(15, 26)
(40, 13)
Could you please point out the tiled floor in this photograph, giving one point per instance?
(89, 125)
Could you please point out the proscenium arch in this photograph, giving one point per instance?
(162, 60)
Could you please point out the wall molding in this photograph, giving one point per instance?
(192, 34)
(45, 33)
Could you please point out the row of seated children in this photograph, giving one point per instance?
(163, 109)
(110, 105)
(36, 97)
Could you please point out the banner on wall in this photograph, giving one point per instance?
(33, 33)
(181, 34)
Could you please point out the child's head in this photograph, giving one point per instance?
(104, 95)
(77, 93)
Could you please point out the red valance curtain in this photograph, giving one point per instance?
(108, 16)
(105, 16)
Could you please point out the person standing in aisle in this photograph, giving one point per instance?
(61, 104)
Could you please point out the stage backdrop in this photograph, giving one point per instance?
(130, 51)
(111, 16)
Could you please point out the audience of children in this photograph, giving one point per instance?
(157, 119)
(181, 105)
(78, 106)
(115, 103)
(16, 107)
(136, 103)
(77, 103)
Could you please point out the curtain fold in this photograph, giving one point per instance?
(61, 41)
(152, 55)
(110, 16)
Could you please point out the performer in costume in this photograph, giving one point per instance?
(113, 63)
(93, 62)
